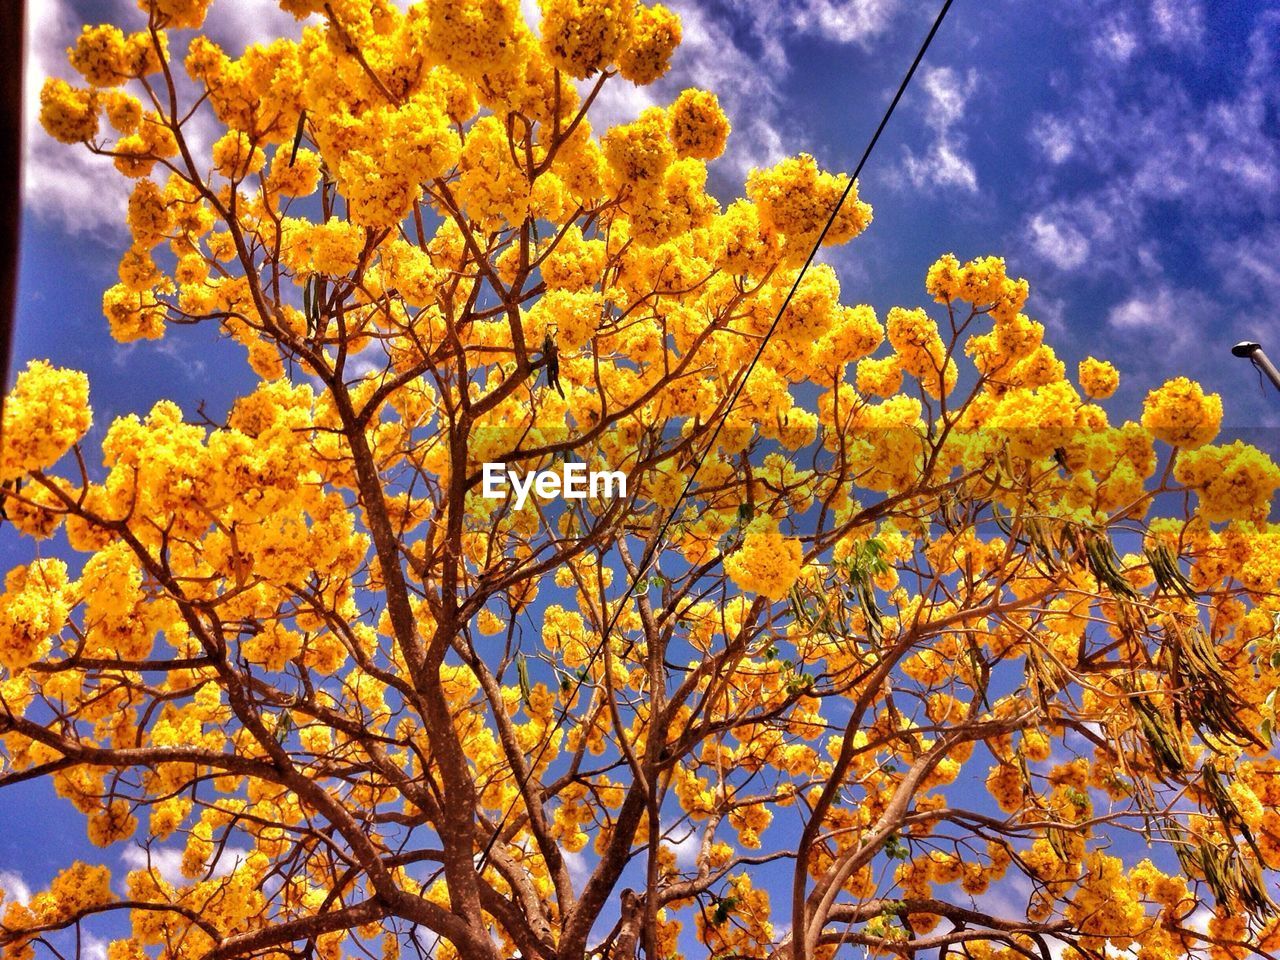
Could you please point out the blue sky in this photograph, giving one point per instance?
(1123, 155)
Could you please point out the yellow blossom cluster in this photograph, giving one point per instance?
(67, 113)
(1181, 414)
(983, 282)
(797, 199)
(582, 37)
(655, 34)
(473, 37)
(920, 350)
(235, 156)
(1098, 378)
(767, 563)
(699, 127)
(33, 609)
(45, 413)
(1235, 481)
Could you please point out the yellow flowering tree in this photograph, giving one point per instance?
(926, 654)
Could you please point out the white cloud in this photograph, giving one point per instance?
(233, 26)
(948, 94)
(192, 365)
(1248, 264)
(91, 947)
(943, 163)
(1052, 312)
(1172, 319)
(1054, 137)
(14, 886)
(1143, 146)
(858, 21)
(1154, 312)
(1116, 41)
(1178, 23)
(1199, 919)
(579, 867)
(941, 166)
(166, 862)
(770, 23)
(687, 847)
(1060, 243)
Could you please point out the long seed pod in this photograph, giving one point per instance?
(1169, 577)
(522, 672)
(1102, 563)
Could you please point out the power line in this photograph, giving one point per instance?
(655, 544)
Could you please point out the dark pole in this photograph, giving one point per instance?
(1254, 354)
(11, 38)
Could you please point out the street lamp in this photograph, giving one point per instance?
(1254, 354)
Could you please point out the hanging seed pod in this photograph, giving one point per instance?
(297, 136)
(1206, 689)
(1169, 577)
(1164, 741)
(1102, 564)
(1040, 540)
(522, 672)
(1188, 853)
(284, 725)
(1225, 807)
(1252, 889)
(311, 304)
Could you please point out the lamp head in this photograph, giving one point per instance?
(1245, 348)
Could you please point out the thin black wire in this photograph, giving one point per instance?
(652, 551)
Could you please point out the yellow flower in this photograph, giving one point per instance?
(943, 279)
(336, 246)
(124, 110)
(699, 127)
(1181, 414)
(133, 315)
(178, 13)
(796, 199)
(44, 415)
(1098, 378)
(473, 37)
(68, 113)
(492, 189)
(1235, 482)
(655, 34)
(33, 608)
(273, 646)
(79, 887)
(236, 156)
(640, 152)
(99, 55)
(982, 282)
(767, 563)
(584, 36)
(296, 179)
(921, 352)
